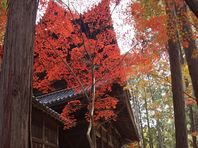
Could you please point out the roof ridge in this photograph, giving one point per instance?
(52, 93)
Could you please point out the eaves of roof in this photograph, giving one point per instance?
(57, 97)
(46, 110)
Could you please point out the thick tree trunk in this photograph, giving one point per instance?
(193, 5)
(176, 76)
(187, 38)
(178, 98)
(16, 75)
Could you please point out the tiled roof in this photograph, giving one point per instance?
(44, 102)
(46, 109)
(57, 97)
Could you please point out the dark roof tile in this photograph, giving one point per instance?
(46, 109)
(56, 97)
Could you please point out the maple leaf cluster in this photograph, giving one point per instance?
(68, 46)
(150, 25)
(105, 108)
(67, 115)
(64, 37)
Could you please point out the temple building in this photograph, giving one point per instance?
(47, 126)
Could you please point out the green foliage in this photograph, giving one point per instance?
(152, 91)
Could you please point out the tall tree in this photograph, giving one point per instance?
(189, 45)
(176, 77)
(16, 78)
(148, 122)
(159, 134)
(190, 48)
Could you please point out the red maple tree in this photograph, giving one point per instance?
(69, 45)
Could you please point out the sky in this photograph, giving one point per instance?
(124, 30)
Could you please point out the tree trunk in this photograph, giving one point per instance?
(187, 38)
(176, 77)
(193, 5)
(192, 124)
(148, 124)
(159, 135)
(16, 75)
(141, 126)
(91, 129)
(137, 107)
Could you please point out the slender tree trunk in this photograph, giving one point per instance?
(137, 107)
(193, 5)
(148, 124)
(91, 129)
(193, 127)
(159, 135)
(176, 76)
(195, 118)
(141, 126)
(16, 75)
(187, 38)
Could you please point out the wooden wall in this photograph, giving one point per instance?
(44, 130)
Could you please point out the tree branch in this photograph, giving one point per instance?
(193, 5)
